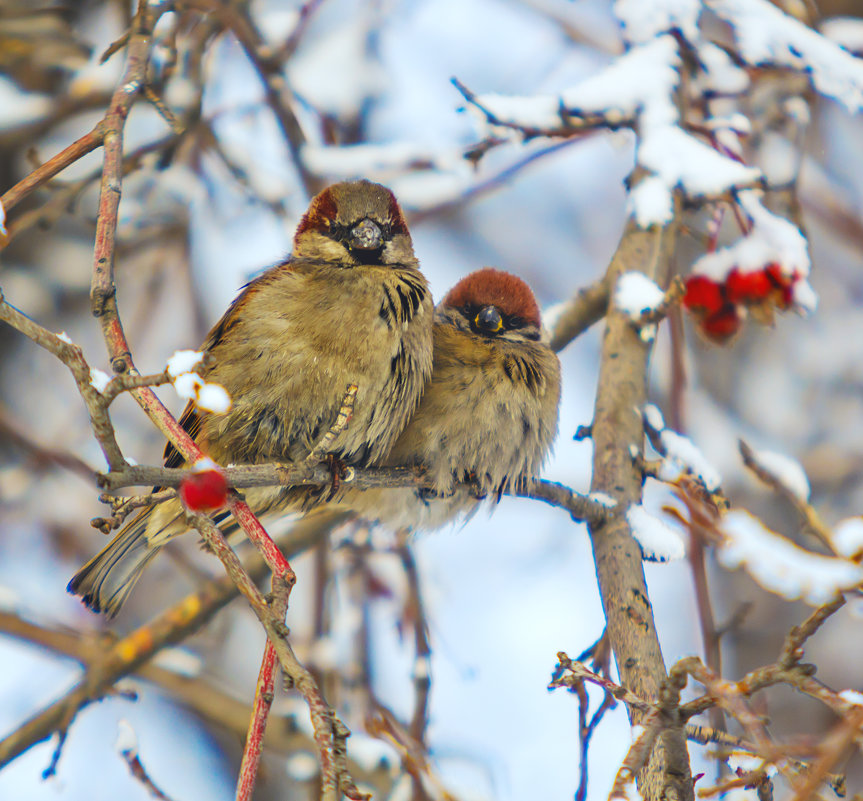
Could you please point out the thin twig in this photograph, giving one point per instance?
(282, 583)
(571, 671)
(73, 357)
(415, 612)
(69, 155)
(806, 510)
(139, 772)
(41, 455)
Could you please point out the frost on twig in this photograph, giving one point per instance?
(680, 456)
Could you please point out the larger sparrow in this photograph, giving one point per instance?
(349, 306)
(489, 414)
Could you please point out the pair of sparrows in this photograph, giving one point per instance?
(469, 391)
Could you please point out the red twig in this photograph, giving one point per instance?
(284, 579)
(253, 529)
(264, 693)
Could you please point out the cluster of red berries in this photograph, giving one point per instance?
(721, 306)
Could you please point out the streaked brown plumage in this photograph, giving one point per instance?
(348, 306)
(489, 414)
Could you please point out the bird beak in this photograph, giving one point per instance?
(489, 320)
(366, 235)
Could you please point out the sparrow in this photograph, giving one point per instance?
(349, 306)
(488, 416)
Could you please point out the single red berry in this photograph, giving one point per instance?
(783, 295)
(722, 325)
(776, 274)
(748, 288)
(703, 295)
(204, 491)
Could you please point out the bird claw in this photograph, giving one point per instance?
(338, 472)
(476, 487)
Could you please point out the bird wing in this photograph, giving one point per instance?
(192, 418)
(191, 423)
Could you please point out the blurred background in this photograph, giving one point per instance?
(212, 201)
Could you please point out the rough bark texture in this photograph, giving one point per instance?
(617, 426)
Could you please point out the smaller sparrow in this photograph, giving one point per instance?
(489, 414)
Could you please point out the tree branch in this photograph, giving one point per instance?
(580, 313)
(617, 427)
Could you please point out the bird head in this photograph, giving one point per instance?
(493, 304)
(354, 223)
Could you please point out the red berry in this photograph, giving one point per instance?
(783, 296)
(703, 295)
(204, 491)
(748, 288)
(776, 274)
(722, 325)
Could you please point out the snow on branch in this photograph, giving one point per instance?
(719, 74)
(771, 240)
(658, 541)
(346, 161)
(640, 82)
(680, 455)
(785, 471)
(768, 36)
(189, 385)
(780, 566)
(848, 537)
(635, 294)
(847, 32)
(636, 90)
(642, 21)
(679, 160)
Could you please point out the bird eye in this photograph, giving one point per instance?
(488, 320)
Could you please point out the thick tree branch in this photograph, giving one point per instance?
(580, 313)
(616, 430)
